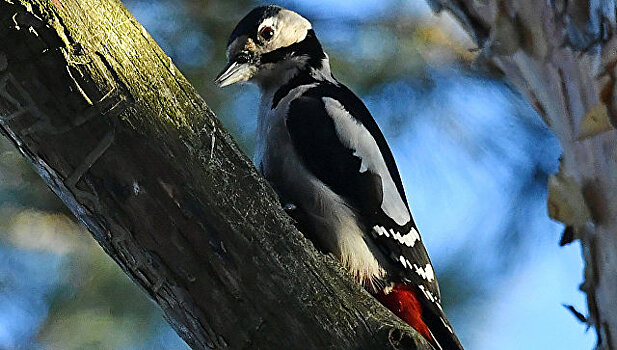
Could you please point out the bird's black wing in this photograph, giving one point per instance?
(340, 143)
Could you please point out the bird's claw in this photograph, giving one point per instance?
(289, 207)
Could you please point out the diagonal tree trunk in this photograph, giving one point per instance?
(123, 139)
(562, 55)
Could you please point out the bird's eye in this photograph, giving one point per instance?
(266, 33)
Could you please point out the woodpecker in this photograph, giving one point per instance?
(325, 156)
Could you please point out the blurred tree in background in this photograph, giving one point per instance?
(474, 159)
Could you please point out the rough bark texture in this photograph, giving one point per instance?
(562, 55)
(123, 139)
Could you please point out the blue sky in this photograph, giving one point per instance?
(24, 301)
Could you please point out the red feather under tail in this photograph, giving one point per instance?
(402, 300)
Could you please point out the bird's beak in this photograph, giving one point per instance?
(235, 72)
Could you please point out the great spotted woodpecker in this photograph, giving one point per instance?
(322, 151)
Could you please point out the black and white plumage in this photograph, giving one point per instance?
(322, 151)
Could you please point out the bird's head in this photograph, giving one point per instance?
(269, 43)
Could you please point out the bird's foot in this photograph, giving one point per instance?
(289, 208)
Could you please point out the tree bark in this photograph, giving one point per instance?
(124, 140)
(562, 55)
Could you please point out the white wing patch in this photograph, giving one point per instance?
(355, 136)
(444, 322)
(381, 231)
(428, 294)
(404, 262)
(409, 239)
(427, 272)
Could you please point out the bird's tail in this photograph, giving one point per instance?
(405, 302)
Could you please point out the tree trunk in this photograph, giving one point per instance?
(123, 139)
(562, 55)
